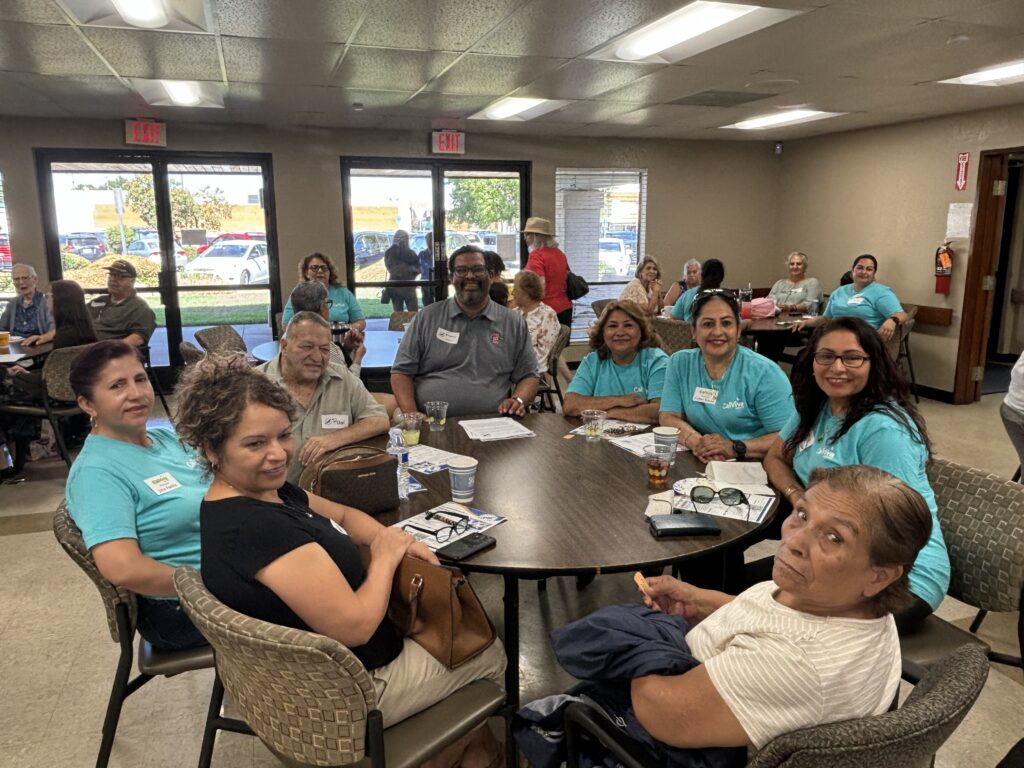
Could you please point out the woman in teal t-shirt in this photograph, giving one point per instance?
(727, 401)
(135, 493)
(344, 306)
(625, 372)
(853, 407)
(872, 302)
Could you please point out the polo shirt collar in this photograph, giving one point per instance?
(454, 310)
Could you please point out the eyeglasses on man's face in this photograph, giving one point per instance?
(475, 271)
(850, 359)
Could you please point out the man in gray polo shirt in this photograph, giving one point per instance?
(466, 350)
(121, 313)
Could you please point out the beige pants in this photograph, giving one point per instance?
(416, 680)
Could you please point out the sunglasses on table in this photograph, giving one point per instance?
(730, 497)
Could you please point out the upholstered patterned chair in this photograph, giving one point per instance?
(599, 305)
(221, 339)
(675, 334)
(905, 738)
(121, 607)
(549, 385)
(191, 353)
(399, 319)
(982, 519)
(311, 701)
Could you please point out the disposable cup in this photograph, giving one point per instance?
(410, 424)
(593, 423)
(656, 463)
(669, 437)
(462, 474)
(437, 411)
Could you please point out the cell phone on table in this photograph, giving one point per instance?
(466, 547)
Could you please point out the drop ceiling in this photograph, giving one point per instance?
(417, 64)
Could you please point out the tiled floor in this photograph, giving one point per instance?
(57, 660)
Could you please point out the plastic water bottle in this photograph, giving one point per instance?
(398, 449)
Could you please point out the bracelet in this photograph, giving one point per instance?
(789, 491)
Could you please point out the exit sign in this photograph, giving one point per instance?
(145, 132)
(448, 142)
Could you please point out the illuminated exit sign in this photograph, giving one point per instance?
(145, 132)
(448, 142)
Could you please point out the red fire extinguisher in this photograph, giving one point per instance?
(944, 256)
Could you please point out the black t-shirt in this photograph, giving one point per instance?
(240, 536)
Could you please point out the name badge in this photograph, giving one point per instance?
(448, 337)
(334, 420)
(856, 299)
(705, 395)
(807, 443)
(162, 483)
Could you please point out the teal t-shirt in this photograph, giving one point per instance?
(644, 376)
(878, 440)
(681, 309)
(753, 398)
(344, 308)
(874, 305)
(119, 490)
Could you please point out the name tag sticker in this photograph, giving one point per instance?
(807, 443)
(705, 395)
(448, 337)
(334, 420)
(162, 483)
(856, 299)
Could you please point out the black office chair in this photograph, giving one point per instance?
(154, 379)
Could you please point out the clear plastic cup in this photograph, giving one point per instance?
(656, 464)
(593, 423)
(437, 412)
(410, 424)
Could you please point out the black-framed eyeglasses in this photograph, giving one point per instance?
(731, 497)
(455, 523)
(850, 359)
(318, 268)
(476, 271)
(329, 303)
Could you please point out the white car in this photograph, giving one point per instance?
(612, 258)
(233, 261)
(149, 248)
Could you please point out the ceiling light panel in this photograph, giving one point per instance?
(1004, 74)
(517, 108)
(172, 15)
(696, 27)
(180, 93)
(781, 119)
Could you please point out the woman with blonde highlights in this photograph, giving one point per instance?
(645, 288)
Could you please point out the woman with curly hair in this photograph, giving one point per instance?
(270, 550)
(853, 407)
(343, 305)
(645, 287)
(135, 492)
(625, 372)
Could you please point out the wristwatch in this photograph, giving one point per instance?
(740, 449)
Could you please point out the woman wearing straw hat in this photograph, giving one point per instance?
(548, 261)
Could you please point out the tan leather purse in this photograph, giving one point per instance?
(359, 476)
(436, 606)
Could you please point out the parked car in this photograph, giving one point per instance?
(233, 261)
(369, 246)
(232, 236)
(626, 236)
(87, 246)
(150, 249)
(6, 263)
(612, 259)
(99, 234)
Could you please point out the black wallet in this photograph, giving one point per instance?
(465, 547)
(683, 524)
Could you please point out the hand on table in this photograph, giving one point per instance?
(31, 341)
(512, 407)
(713, 447)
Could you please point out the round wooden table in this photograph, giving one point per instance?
(38, 350)
(572, 507)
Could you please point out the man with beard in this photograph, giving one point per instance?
(466, 350)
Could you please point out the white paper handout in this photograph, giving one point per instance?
(427, 460)
(10, 358)
(423, 526)
(612, 428)
(737, 472)
(759, 502)
(502, 428)
(635, 444)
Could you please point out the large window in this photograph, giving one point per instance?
(600, 218)
(6, 260)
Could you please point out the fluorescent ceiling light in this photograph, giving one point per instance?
(692, 29)
(184, 93)
(517, 108)
(149, 14)
(180, 93)
(777, 119)
(1004, 74)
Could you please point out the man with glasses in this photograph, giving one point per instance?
(121, 313)
(27, 315)
(466, 350)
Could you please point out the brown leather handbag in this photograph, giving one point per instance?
(436, 606)
(359, 476)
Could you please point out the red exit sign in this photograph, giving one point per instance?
(448, 142)
(145, 132)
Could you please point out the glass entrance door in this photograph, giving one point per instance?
(441, 206)
(194, 226)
